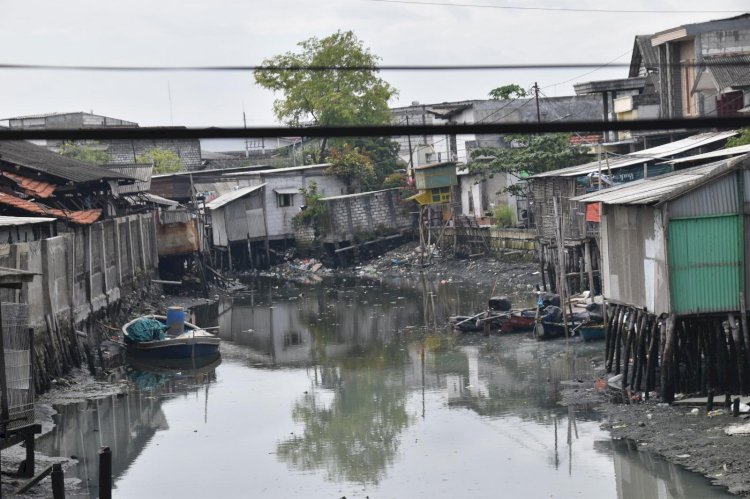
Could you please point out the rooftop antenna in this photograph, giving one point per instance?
(169, 92)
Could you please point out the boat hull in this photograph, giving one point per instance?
(176, 348)
(591, 333)
(548, 330)
(193, 343)
(517, 323)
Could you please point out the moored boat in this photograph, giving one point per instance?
(520, 320)
(149, 336)
(591, 332)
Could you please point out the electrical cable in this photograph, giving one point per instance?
(562, 9)
(383, 67)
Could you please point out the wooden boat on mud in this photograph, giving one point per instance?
(147, 337)
(519, 320)
(590, 332)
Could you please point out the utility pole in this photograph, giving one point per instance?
(244, 122)
(536, 96)
(411, 155)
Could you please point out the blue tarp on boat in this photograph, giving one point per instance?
(145, 329)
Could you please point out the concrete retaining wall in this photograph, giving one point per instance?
(81, 274)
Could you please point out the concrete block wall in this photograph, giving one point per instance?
(126, 151)
(365, 213)
(724, 42)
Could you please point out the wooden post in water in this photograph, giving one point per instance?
(667, 376)
(58, 482)
(561, 259)
(105, 473)
(589, 268)
(738, 349)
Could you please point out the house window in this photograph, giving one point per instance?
(441, 195)
(285, 200)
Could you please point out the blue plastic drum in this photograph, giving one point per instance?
(176, 320)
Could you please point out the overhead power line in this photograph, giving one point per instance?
(562, 9)
(371, 131)
(385, 67)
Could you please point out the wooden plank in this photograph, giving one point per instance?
(25, 487)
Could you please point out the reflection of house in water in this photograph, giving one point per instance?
(327, 325)
(641, 474)
(125, 424)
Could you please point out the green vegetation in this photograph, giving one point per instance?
(740, 140)
(164, 161)
(505, 216)
(88, 153)
(528, 155)
(506, 92)
(315, 211)
(352, 167)
(335, 98)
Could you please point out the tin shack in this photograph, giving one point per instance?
(674, 250)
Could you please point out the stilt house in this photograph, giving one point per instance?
(673, 251)
(553, 205)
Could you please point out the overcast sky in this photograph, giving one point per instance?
(223, 32)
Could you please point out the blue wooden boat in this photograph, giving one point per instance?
(193, 342)
(591, 332)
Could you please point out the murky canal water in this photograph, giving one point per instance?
(358, 391)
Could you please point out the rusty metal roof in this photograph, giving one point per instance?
(84, 217)
(34, 188)
(43, 161)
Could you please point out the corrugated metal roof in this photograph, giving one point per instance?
(729, 70)
(42, 160)
(231, 196)
(84, 217)
(141, 172)
(721, 153)
(19, 221)
(281, 170)
(359, 194)
(662, 188)
(35, 188)
(159, 200)
(660, 152)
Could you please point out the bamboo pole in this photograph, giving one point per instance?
(667, 378)
(561, 259)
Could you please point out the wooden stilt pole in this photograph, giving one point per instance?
(667, 376)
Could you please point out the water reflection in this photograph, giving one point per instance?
(359, 389)
(641, 474)
(125, 423)
(354, 436)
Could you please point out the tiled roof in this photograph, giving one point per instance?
(42, 160)
(84, 217)
(34, 188)
(729, 70)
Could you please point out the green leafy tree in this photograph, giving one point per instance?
(528, 155)
(88, 153)
(740, 140)
(353, 168)
(506, 92)
(332, 97)
(164, 160)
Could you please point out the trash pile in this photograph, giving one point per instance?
(302, 270)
